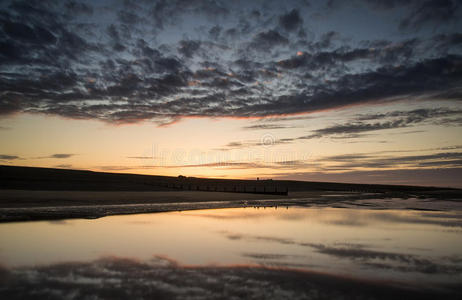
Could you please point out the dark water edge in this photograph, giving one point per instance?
(339, 200)
(99, 211)
(161, 278)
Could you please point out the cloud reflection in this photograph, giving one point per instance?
(163, 278)
(357, 253)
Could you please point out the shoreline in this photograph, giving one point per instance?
(24, 205)
(27, 205)
(99, 211)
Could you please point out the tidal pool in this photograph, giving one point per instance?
(416, 249)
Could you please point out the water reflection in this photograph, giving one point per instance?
(410, 247)
(163, 278)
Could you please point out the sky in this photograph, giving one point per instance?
(364, 91)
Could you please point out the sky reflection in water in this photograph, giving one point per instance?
(398, 245)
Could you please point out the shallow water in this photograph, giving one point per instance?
(411, 247)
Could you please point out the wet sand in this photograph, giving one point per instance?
(24, 205)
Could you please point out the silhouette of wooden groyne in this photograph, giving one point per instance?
(249, 189)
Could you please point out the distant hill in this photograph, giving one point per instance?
(31, 178)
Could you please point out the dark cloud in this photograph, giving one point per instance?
(433, 13)
(167, 13)
(326, 39)
(61, 155)
(234, 144)
(388, 53)
(347, 157)
(349, 130)
(126, 64)
(128, 17)
(215, 32)
(440, 177)
(430, 75)
(396, 119)
(266, 127)
(27, 34)
(417, 13)
(79, 8)
(236, 165)
(350, 163)
(188, 48)
(113, 32)
(265, 256)
(252, 143)
(10, 103)
(389, 4)
(413, 116)
(8, 157)
(64, 166)
(233, 165)
(362, 126)
(268, 39)
(291, 21)
(230, 165)
(448, 41)
(58, 156)
(377, 160)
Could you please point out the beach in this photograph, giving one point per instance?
(24, 205)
